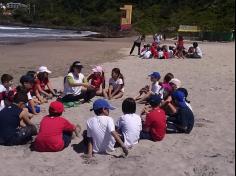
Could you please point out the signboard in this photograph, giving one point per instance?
(126, 17)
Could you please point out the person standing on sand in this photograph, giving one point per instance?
(137, 43)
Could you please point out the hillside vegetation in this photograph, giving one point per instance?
(149, 15)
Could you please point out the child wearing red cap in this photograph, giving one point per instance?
(55, 132)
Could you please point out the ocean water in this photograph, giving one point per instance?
(12, 33)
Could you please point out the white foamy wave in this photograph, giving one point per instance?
(23, 32)
(13, 28)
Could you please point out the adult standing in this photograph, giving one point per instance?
(137, 43)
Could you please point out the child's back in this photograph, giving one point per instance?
(50, 135)
(99, 128)
(130, 125)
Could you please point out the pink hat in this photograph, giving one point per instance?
(97, 69)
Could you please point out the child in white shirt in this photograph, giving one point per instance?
(101, 132)
(129, 125)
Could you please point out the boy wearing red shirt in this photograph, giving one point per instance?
(154, 126)
(55, 132)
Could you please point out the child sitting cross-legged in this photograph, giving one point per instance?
(101, 134)
(129, 125)
(154, 125)
(146, 92)
(55, 132)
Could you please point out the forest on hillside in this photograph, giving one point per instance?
(148, 15)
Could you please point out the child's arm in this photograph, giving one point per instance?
(40, 90)
(90, 147)
(49, 85)
(109, 91)
(119, 141)
(172, 108)
(89, 77)
(116, 91)
(104, 81)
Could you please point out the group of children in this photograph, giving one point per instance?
(156, 51)
(166, 110)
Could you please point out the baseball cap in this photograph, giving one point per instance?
(97, 69)
(26, 79)
(155, 75)
(101, 103)
(179, 97)
(154, 99)
(176, 82)
(43, 69)
(57, 107)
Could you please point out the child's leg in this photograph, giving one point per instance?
(144, 98)
(105, 93)
(119, 95)
(145, 135)
(67, 138)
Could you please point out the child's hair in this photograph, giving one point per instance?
(54, 114)
(42, 77)
(195, 44)
(117, 71)
(6, 78)
(168, 77)
(129, 106)
(98, 111)
(20, 96)
(31, 73)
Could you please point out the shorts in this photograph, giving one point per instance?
(22, 136)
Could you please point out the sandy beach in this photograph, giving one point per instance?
(208, 151)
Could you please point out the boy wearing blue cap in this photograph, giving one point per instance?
(182, 119)
(101, 130)
(146, 92)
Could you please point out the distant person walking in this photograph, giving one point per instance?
(137, 43)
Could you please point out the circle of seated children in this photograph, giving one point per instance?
(166, 110)
(156, 51)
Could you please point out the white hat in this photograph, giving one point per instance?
(176, 82)
(97, 69)
(43, 69)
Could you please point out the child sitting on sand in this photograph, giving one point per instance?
(167, 89)
(116, 85)
(101, 132)
(154, 126)
(182, 118)
(6, 90)
(97, 80)
(146, 92)
(43, 88)
(129, 125)
(15, 126)
(27, 83)
(55, 132)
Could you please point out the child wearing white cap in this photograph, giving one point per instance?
(43, 88)
(97, 80)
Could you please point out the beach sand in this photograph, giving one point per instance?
(209, 149)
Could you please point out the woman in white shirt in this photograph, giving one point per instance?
(75, 85)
